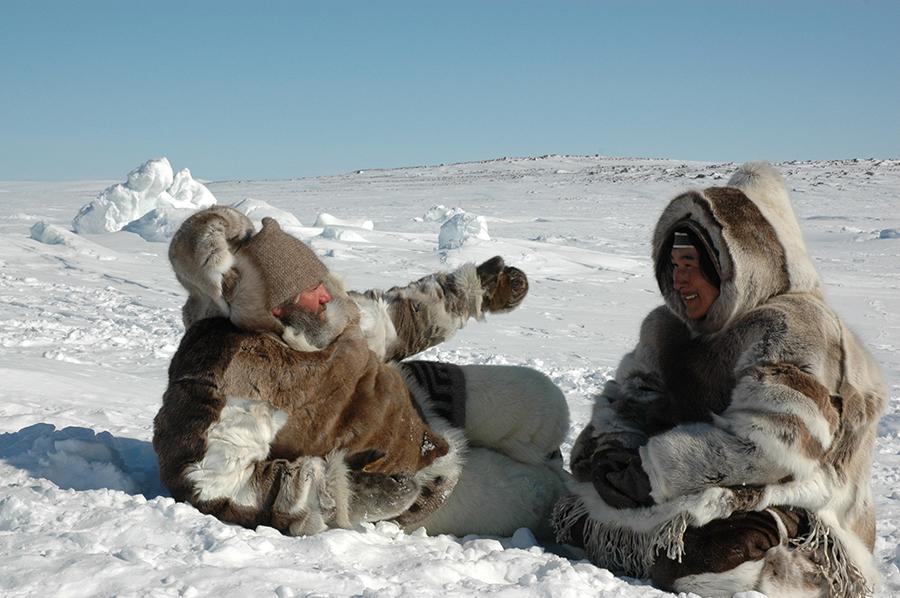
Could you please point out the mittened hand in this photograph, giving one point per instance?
(620, 480)
(504, 286)
(377, 496)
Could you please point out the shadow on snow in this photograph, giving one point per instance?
(81, 459)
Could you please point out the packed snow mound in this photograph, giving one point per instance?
(72, 458)
(149, 186)
(159, 225)
(325, 220)
(51, 234)
(889, 233)
(342, 234)
(461, 229)
(257, 209)
(185, 189)
(440, 213)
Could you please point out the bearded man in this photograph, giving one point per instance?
(287, 407)
(733, 450)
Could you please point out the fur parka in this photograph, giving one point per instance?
(259, 428)
(768, 400)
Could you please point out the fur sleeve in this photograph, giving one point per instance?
(403, 321)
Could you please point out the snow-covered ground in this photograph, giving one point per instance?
(88, 323)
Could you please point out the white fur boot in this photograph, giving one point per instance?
(515, 410)
(496, 495)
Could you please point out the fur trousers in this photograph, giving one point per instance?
(514, 419)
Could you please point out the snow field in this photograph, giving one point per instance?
(88, 323)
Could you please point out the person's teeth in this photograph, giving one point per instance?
(690, 297)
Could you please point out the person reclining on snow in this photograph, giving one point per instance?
(285, 406)
(733, 449)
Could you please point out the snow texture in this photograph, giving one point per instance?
(89, 324)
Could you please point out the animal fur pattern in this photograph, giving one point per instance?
(769, 390)
(255, 448)
(202, 256)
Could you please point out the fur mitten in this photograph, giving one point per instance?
(377, 496)
(620, 479)
(504, 286)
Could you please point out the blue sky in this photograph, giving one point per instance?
(240, 90)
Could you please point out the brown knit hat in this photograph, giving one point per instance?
(286, 264)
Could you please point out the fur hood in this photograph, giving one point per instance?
(753, 236)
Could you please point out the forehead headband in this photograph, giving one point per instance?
(682, 240)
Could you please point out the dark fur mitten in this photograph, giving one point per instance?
(504, 286)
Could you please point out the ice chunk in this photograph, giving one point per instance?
(149, 186)
(257, 209)
(440, 213)
(160, 224)
(52, 234)
(342, 234)
(185, 189)
(461, 229)
(324, 219)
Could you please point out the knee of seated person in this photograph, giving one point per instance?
(729, 554)
(514, 404)
(515, 389)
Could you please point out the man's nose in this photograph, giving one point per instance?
(324, 296)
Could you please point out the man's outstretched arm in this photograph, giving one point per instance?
(403, 321)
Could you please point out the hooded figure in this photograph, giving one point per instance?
(732, 451)
(286, 407)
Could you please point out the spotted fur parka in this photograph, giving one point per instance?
(257, 430)
(768, 400)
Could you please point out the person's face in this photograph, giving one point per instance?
(697, 293)
(314, 300)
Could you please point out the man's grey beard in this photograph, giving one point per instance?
(310, 332)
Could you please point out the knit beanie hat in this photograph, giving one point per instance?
(286, 265)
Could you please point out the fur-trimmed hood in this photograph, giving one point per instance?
(751, 233)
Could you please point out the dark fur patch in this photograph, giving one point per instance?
(724, 544)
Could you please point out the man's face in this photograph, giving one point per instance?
(697, 293)
(315, 315)
(314, 300)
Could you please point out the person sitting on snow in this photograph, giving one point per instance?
(733, 449)
(286, 406)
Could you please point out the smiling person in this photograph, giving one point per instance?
(287, 404)
(732, 451)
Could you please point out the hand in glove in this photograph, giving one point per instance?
(375, 495)
(504, 286)
(620, 480)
